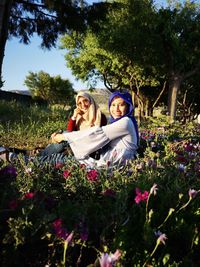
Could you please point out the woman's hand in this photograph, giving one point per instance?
(77, 111)
(57, 138)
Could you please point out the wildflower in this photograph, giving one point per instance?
(141, 196)
(154, 189)
(66, 174)
(28, 195)
(59, 165)
(161, 239)
(192, 193)
(181, 167)
(107, 260)
(69, 237)
(57, 223)
(92, 175)
(61, 232)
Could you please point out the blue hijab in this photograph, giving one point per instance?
(128, 99)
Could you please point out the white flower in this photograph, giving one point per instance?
(154, 189)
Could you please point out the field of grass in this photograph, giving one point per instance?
(145, 214)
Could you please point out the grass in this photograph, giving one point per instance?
(29, 126)
(38, 206)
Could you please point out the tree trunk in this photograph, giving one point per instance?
(174, 86)
(5, 7)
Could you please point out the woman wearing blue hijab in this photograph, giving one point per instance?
(118, 141)
(128, 99)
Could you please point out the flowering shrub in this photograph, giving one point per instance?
(146, 214)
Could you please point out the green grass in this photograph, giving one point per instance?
(29, 126)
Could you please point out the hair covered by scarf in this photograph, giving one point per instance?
(92, 117)
(128, 99)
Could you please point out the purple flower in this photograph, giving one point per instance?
(8, 172)
(192, 193)
(61, 232)
(162, 238)
(107, 260)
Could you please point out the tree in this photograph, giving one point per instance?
(46, 18)
(167, 39)
(52, 89)
(5, 7)
(90, 61)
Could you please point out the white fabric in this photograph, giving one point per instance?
(90, 118)
(120, 135)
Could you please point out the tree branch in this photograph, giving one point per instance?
(159, 96)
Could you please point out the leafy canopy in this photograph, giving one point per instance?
(52, 89)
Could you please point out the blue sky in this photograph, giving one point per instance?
(19, 59)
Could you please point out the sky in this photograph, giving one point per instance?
(19, 59)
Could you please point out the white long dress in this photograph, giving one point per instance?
(120, 137)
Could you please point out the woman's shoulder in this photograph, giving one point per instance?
(125, 122)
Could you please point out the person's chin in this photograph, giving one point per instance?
(117, 117)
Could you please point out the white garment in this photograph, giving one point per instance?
(120, 135)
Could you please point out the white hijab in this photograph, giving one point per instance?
(92, 117)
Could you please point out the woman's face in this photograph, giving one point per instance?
(83, 103)
(118, 108)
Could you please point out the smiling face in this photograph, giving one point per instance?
(118, 107)
(83, 103)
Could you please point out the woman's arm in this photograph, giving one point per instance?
(119, 128)
(71, 126)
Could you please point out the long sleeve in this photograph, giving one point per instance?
(71, 125)
(119, 135)
(84, 142)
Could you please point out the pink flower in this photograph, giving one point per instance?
(57, 223)
(162, 238)
(69, 237)
(141, 196)
(107, 260)
(92, 175)
(192, 193)
(66, 174)
(59, 165)
(28, 195)
(61, 232)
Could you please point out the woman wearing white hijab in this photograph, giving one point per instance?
(86, 114)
